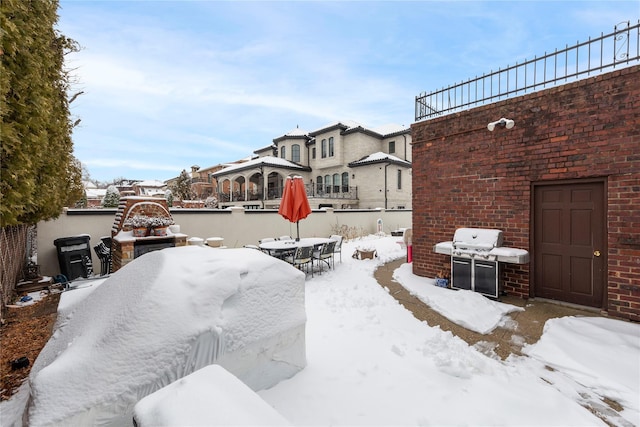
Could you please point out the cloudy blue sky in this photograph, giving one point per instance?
(170, 84)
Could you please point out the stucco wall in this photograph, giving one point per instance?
(371, 186)
(237, 226)
(466, 176)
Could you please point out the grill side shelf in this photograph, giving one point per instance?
(444, 248)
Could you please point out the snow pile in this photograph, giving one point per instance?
(162, 317)
(466, 308)
(209, 397)
(601, 355)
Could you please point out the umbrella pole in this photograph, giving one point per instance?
(298, 227)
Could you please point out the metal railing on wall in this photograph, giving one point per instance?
(327, 192)
(617, 49)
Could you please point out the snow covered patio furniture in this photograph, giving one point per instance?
(324, 254)
(104, 255)
(338, 248)
(301, 257)
(161, 317)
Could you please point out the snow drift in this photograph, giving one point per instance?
(208, 397)
(162, 317)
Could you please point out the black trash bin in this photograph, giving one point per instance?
(74, 256)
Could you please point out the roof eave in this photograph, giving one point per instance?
(285, 137)
(359, 163)
(334, 126)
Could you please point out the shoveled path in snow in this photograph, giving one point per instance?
(526, 327)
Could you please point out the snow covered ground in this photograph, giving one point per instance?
(370, 362)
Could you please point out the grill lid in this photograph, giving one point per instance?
(477, 238)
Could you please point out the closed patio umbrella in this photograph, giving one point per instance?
(294, 205)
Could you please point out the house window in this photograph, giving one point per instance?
(336, 183)
(319, 184)
(399, 179)
(345, 182)
(283, 152)
(392, 147)
(323, 148)
(295, 153)
(313, 152)
(327, 183)
(331, 147)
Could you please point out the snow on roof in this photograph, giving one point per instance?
(379, 157)
(349, 124)
(266, 160)
(95, 193)
(89, 184)
(389, 129)
(383, 130)
(267, 148)
(296, 132)
(151, 183)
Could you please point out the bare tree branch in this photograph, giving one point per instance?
(73, 98)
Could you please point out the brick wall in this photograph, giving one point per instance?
(136, 205)
(466, 176)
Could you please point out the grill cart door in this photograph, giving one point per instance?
(461, 273)
(475, 275)
(485, 274)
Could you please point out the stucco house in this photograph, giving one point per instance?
(93, 194)
(150, 188)
(345, 165)
(561, 179)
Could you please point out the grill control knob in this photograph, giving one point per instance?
(596, 253)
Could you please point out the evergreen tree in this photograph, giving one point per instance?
(182, 186)
(39, 175)
(111, 198)
(169, 196)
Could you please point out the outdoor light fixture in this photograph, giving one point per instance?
(505, 123)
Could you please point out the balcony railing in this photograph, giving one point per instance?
(332, 191)
(617, 49)
(326, 192)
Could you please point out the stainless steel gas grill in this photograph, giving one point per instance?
(475, 257)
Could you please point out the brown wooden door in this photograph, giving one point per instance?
(569, 243)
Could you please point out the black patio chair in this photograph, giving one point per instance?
(104, 255)
(325, 254)
(302, 256)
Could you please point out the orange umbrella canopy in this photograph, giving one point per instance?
(294, 205)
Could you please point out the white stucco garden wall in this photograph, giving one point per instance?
(237, 226)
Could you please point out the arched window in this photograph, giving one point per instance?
(319, 184)
(345, 182)
(295, 153)
(327, 183)
(336, 183)
(331, 147)
(283, 152)
(323, 148)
